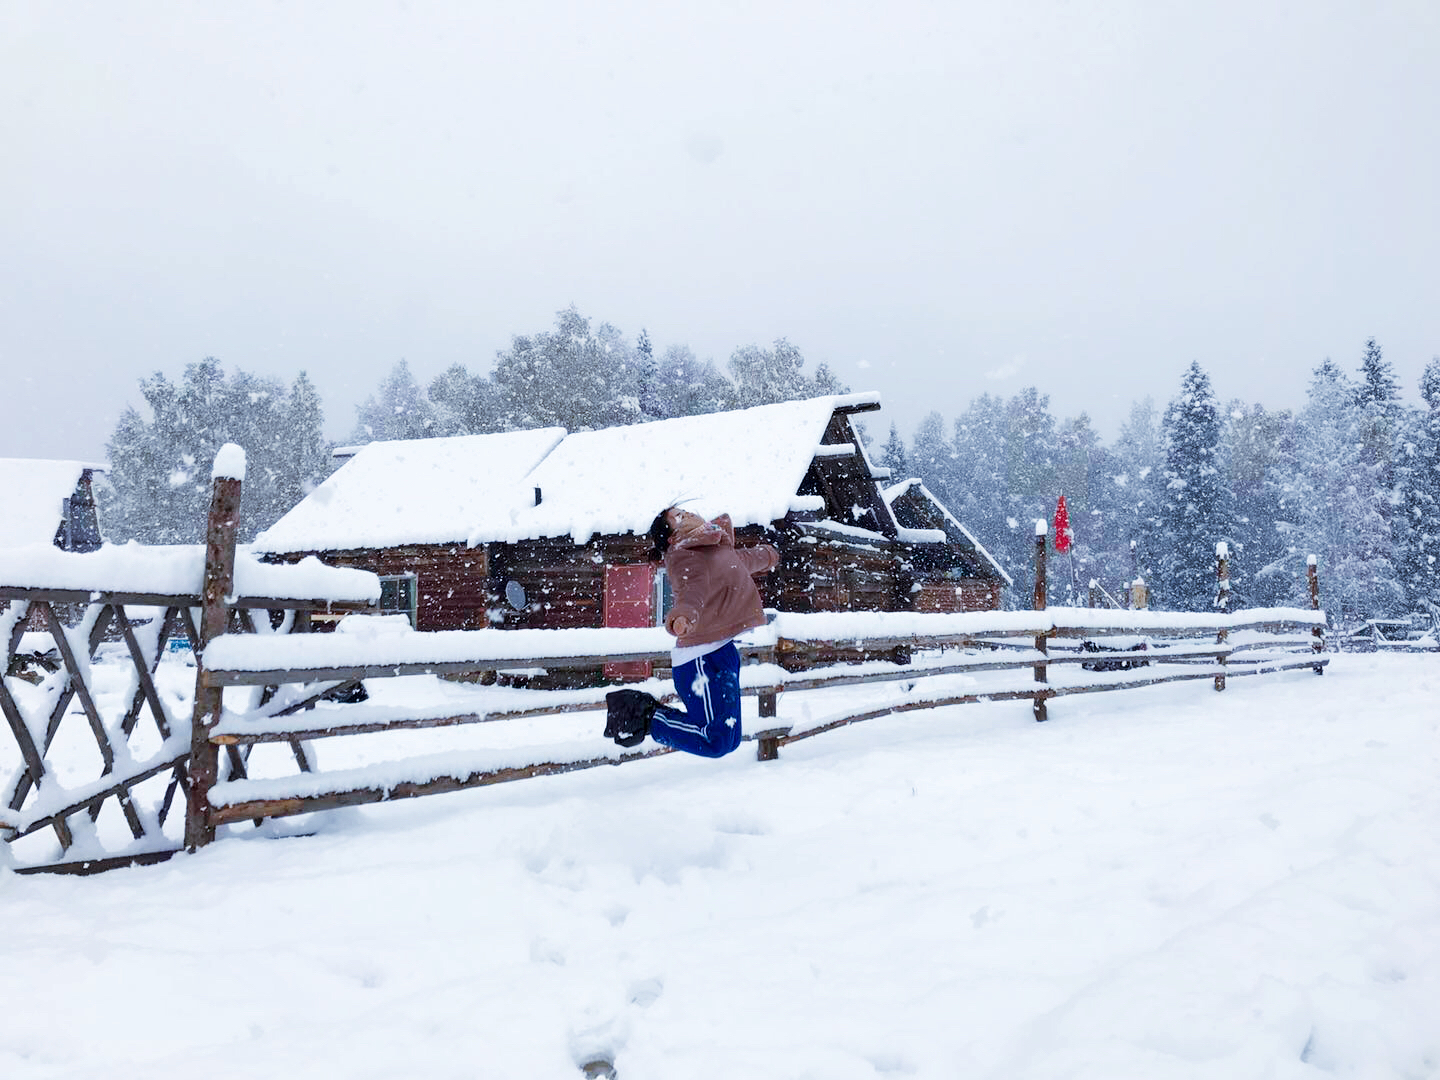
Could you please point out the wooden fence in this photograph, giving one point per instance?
(937, 660)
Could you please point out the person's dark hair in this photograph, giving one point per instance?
(660, 531)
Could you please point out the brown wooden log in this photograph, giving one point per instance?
(768, 743)
(284, 807)
(81, 688)
(218, 583)
(118, 786)
(1041, 672)
(1222, 603)
(85, 867)
(1312, 573)
(33, 758)
(1048, 692)
(145, 692)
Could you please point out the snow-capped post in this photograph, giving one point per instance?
(1094, 592)
(1222, 603)
(1139, 595)
(1041, 671)
(227, 475)
(1312, 571)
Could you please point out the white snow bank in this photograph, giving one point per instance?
(1169, 883)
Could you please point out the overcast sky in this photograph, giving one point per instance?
(938, 200)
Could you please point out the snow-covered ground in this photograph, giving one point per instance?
(1167, 882)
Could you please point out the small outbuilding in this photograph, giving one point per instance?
(953, 573)
(48, 502)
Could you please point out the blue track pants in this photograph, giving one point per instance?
(710, 688)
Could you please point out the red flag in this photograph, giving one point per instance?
(1063, 535)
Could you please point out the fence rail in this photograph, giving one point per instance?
(199, 748)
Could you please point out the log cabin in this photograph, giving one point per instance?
(549, 529)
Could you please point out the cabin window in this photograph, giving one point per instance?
(397, 595)
(664, 597)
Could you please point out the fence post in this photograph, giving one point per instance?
(1139, 595)
(1041, 646)
(1312, 571)
(1222, 602)
(1094, 592)
(227, 476)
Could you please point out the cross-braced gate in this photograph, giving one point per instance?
(131, 599)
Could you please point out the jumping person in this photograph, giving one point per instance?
(715, 599)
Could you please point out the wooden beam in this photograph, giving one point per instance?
(86, 867)
(118, 786)
(284, 807)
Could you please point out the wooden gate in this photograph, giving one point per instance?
(129, 603)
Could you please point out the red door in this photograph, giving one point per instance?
(629, 598)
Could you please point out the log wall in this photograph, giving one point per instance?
(449, 579)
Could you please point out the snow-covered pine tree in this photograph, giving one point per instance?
(1080, 475)
(1195, 512)
(1377, 399)
(399, 410)
(158, 488)
(1417, 525)
(766, 376)
(1138, 478)
(574, 377)
(686, 386)
(893, 457)
(1338, 504)
(978, 491)
(1031, 485)
(464, 403)
(1260, 448)
(304, 452)
(652, 405)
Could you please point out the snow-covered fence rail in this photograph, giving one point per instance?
(1258, 640)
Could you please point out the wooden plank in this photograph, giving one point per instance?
(274, 676)
(81, 688)
(1049, 691)
(123, 784)
(34, 762)
(285, 807)
(85, 867)
(145, 669)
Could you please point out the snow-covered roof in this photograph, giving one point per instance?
(894, 491)
(481, 488)
(413, 491)
(32, 497)
(748, 463)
